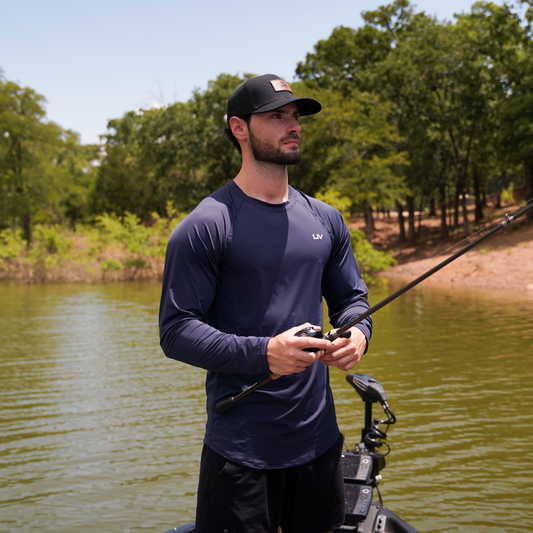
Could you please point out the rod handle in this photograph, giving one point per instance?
(225, 405)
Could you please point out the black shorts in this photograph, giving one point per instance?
(233, 498)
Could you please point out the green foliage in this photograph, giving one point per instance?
(178, 152)
(341, 203)
(508, 194)
(45, 174)
(131, 238)
(26, 146)
(459, 93)
(111, 264)
(50, 247)
(111, 245)
(135, 242)
(355, 149)
(414, 110)
(369, 260)
(75, 172)
(12, 244)
(51, 240)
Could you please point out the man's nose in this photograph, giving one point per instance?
(294, 126)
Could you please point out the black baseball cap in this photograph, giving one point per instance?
(266, 93)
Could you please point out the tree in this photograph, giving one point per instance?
(353, 148)
(507, 43)
(178, 153)
(75, 173)
(27, 148)
(441, 86)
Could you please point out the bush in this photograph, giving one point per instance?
(50, 247)
(508, 194)
(122, 245)
(12, 245)
(368, 258)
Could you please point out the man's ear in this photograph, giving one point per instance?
(239, 128)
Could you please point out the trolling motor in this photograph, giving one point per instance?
(362, 466)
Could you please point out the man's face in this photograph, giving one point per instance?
(274, 136)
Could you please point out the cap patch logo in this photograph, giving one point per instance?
(280, 85)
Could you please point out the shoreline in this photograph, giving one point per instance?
(502, 262)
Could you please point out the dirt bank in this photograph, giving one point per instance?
(502, 262)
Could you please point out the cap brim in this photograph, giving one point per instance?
(306, 106)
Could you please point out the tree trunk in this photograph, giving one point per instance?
(411, 217)
(466, 223)
(369, 223)
(450, 214)
(401, 221)
(499, 186)
(528, 168)
(477, 193)
(443, 225)
(456, 203)
(26, 229)
(432, 207)
(483, 189)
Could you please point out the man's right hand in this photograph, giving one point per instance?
(286, 353)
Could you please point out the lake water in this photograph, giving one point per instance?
(101, 433)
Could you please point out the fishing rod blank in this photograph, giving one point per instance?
(508, 220)
(312, 331)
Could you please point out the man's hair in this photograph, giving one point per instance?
(229, 134)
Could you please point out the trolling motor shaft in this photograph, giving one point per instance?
(371, 391)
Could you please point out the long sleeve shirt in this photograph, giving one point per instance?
(239, 271)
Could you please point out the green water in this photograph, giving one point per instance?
(99, 432)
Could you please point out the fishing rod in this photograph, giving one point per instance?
(314, 331)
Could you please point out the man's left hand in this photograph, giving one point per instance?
(346, 353)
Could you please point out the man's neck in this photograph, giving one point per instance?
(264, 181)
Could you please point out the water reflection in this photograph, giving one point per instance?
(100, 432)
(95, 419)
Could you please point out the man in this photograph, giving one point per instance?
(244, 272)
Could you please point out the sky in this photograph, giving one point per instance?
(96, 60)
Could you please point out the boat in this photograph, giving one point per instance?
(361, 469)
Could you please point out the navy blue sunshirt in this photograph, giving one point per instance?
(239, 271)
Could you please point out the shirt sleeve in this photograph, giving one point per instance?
(343, 287)
(189, 287)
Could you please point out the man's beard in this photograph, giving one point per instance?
(268, 153)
